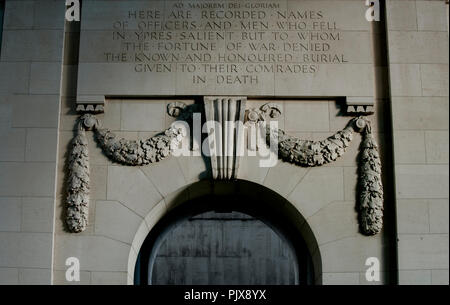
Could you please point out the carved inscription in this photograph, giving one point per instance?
(225, 42)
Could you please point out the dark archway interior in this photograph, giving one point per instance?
(224, 249)
(268, 216)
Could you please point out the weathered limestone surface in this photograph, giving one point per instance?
(30, 81)
(419, 87)
(214, 49)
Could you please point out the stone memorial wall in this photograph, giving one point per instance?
(134, 65)
(262, 48)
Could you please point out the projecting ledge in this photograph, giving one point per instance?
(359, 105)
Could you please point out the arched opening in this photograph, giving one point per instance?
(223, 248)
(241, 236)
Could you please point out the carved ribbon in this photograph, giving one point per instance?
(127, 152)
(316, 153)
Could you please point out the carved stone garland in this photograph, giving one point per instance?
(370, 184)
(78, 181)
(291, 149)
(316, 153)
(140, 152)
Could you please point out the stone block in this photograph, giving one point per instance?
(166, 175)
(414, 277)
(34, 250)
(135, 115)
(132, 257)
(337, 11)
(112, 118)
(401, 15)
(384, 279)
(30, 276)
(308, 198)
(45, 78)
(138, 240)
(340, 278)
(421, 181)
(418, 47)
(59, 278)
(97, 15)
(96, 253)
(99, 175)
(276, 175)
(19, 15)
(14, 77)
(409, 147)
(437, 146)
(12, 146)
(32, 45)
(194, 168)
(49, 14)
(250, 168)
(426, 251)
(27, 179)
(9, 276)
(301, 116)
(109, 278)
(35, 110)
(350, 183)
(37, 214)
(412, 216)
(438, 211)
(41, 145)
(420, 113)
(114, 75)
(5, 113)
(10, 214)
(434, 79)
(439, 277)
(353, 80)
(116, 221)
(405, 80)
(131, 187)
(353, 253)
(335, 221)
(431, 16)
(9, 247)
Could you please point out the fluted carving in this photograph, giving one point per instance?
(226, 141)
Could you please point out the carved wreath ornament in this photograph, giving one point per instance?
(135, 153)
(316, 153)
(291, 149)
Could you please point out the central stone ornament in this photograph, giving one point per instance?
(227, 114)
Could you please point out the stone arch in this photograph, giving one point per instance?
(261, 201)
